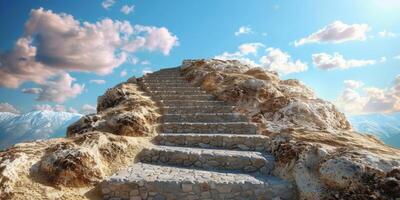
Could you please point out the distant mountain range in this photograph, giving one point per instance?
(33, 125)
(385, 126)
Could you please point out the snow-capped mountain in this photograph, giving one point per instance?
(384, 126)
(33, 125)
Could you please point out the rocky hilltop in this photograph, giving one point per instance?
(208, 129)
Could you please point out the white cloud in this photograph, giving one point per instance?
(337, 32)
(59, 90)
(160, 39)
(383, 59)
(6, 107)
(88, 109)
(127, 9)
(31, 90)
(243, 50)
(275, 60)
(53, 44)
(55, 108)
(370, 99)
(386, 33)
(327, 62)
(107, 4)
(397, 57)
(123, 73)
(236, 56)
(250, 48)
(243, 30)
(98, 81)
(280, 61)
(352, 84)
(72, 110)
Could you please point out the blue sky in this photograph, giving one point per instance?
(359, 78)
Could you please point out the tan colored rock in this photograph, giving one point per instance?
(312, 141)
(122, 110)
(276, 104)
(70, 168)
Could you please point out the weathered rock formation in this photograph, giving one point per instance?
(311, 140)
(98, 145)
(225, 131)
(122, 110)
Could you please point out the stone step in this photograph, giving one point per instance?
(191, 103)
(197, 109)
(174, 92)
(183, 97)
(148, 181)
(163, 75)
(162, 81)
(209, 159)
(204, 117)
(221, 127)
(166, 88)
(164, 78)
(215, 141)
(167, 84)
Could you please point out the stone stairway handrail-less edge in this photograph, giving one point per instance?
(204, 151)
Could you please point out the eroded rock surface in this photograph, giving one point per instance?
(97, 146)
(275, 104)
(314, 145)
(65, 168)
(122, 110)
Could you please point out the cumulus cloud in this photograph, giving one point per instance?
(55, 108)
(386, 33)
(19, 65)
(98, 81)
(236, 56)
(243, 30)
(31, 90)
(88, 109)
(275, 59)
(250, 48)
(58, 90)
(337, 61)
(6, 107)
(241, 54)
(352, 84)
(337, 32)
(53, 44)
(160, 39)
(107, 4)
(357, 100)
(280, 61)
(127, 9)
(72, 110)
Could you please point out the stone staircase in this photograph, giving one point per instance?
(204, 151)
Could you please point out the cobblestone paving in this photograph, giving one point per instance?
(204, 151)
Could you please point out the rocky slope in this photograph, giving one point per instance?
(98, 145)
(313, 142)
(314, 146)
